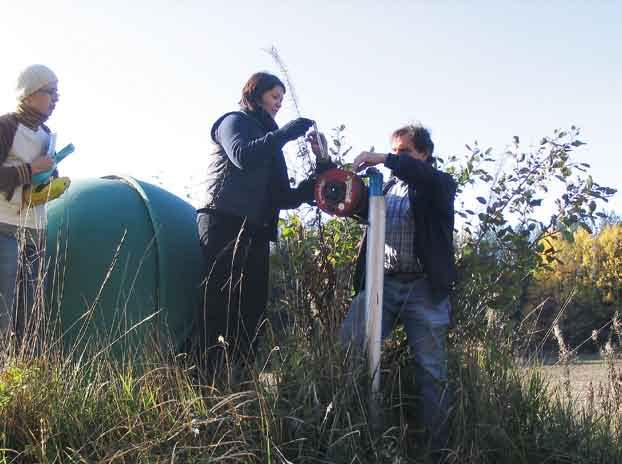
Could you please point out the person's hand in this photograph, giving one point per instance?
(366, 159)
(323, 165)
(296, 128)
(306, 190)
(41, 164)
(317, 149)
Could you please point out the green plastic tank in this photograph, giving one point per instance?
(125, 265)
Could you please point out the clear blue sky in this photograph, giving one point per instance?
(141, 82)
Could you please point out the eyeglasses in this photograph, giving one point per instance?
(50, 92)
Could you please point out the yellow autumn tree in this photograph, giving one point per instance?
(607, 264)
(586, 267)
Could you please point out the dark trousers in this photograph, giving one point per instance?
(236, 287)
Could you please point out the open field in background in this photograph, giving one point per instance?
(582, 375)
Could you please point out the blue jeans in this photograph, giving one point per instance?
(425, 323)
(20, 261)
(8, 277)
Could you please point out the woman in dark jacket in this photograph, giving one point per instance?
(247, 186)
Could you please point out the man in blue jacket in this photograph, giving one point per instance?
(418, 264)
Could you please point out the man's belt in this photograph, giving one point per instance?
(406, 276)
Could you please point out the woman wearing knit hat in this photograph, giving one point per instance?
(24, 143)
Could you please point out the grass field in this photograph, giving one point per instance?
(585, 375)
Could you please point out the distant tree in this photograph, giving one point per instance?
(502, 233)
(588, 268)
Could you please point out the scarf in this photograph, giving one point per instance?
(29, 117)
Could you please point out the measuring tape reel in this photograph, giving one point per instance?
(339, 192)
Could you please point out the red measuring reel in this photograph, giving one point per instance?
(339, 192)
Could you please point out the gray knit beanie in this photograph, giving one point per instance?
(33, 78)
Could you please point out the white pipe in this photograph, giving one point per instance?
(374, 276)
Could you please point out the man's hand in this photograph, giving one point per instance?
(366, 159)
(41, 164)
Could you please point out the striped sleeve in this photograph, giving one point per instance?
(11, 177)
